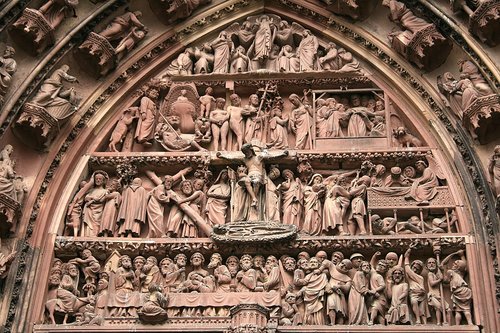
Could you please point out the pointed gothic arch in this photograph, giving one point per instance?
(416, 100)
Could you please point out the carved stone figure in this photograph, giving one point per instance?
(171, 138)
(397, 291)
(461, 294)
(278, 129)
(110, 210)
(337, 200)
(313, 212)
(356, 220)
(484, 19)
(222, 47)
(300, 122)
(221, 274)
(8, 66)
(253, 123)
(263, 40)
(122, 127)
(104, 49)
(157, 198)
(132, 213)
(377, 300)
(154, 310)
(147, 114)
(288, 60)
(292, 199)
(52, 105)
(423, 188)
(435, 299)
(420, 42)
(206, 102)
(312, 294)
(94, 198)
(494, 170)
(35, 28)
(5, 262)
(417, 293)
(90, 266)
(181, 9)
(236, 120)
(338, 288)
(218, 195)
(307, 50)
(358, 314)
(246, 277)
(57, 101)
(220, 126)
(256, 177)
(406, 139)
(123, 300)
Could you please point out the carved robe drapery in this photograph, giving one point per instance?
(133, 210)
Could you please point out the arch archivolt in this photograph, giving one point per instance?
(81, 149)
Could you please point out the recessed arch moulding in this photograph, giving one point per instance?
(323, 118)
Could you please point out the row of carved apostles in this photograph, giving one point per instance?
(302, 291)
(317, 205)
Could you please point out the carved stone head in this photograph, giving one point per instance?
(337, 257)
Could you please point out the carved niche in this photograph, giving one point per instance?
(419, 41)
(102, 51)
(472, 100)
(484, 18)
(356, 9)
(34, 30)
(53, 104)
(173, 10)
(262, 204)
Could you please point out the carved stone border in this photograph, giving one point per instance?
(464, 147)
(69, 247)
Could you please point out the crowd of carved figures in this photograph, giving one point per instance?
(222, 125)
(267, 43)
(303, 290)
(322, 202)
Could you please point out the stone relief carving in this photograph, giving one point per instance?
(471, 99)
(12, 192)
(420, 42)
(358, 10)
(48, 110)
(180, 120)
(249, 193)
(484, 18)
(292, 288)
(35, 28)
(171, 11)
(8, 67)
(103, 50)
(264, 43)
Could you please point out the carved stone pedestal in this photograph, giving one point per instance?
(485, 22)
(249, 318)
(482, 117)
(427, 48)
(357, 9)
(32, 31)
(35, 126)
(9, 210)
(98, 54)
